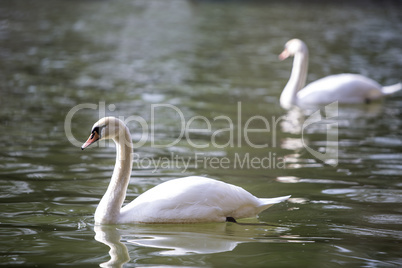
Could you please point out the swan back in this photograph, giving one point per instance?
(345, 88)
(194, 199)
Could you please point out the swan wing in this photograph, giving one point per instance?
(193, 199)
(345, 88)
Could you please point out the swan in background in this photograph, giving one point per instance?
(185, 200)
(344, 88)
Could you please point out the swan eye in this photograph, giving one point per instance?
(95, 130)
(93, 135)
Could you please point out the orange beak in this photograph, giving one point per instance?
(285, 54)
(92, 139)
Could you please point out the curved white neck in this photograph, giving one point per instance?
(108, 210)
(296, 81)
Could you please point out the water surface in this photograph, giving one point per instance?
(216, 60)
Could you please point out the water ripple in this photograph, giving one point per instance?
(368, 195)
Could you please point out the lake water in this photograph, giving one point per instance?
(198, 83)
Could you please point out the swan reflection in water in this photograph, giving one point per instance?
(346, 115)
(110, 236)
(180, 239)
(317, 129)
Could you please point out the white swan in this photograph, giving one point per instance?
(186, 200)
(344, 88)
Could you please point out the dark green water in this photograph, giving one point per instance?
(201, 75)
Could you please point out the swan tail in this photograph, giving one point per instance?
(387, 90)
(267, 202)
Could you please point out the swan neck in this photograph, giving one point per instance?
(108, 211)
(296, 81)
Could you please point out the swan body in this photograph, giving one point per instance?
(344, 88)
(184, 200)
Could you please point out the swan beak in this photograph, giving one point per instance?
(92, 139)
(285, 54)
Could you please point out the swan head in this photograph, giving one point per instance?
(105, 128)
(293, 47)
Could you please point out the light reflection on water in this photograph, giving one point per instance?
(205, 58)
(367, 195)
